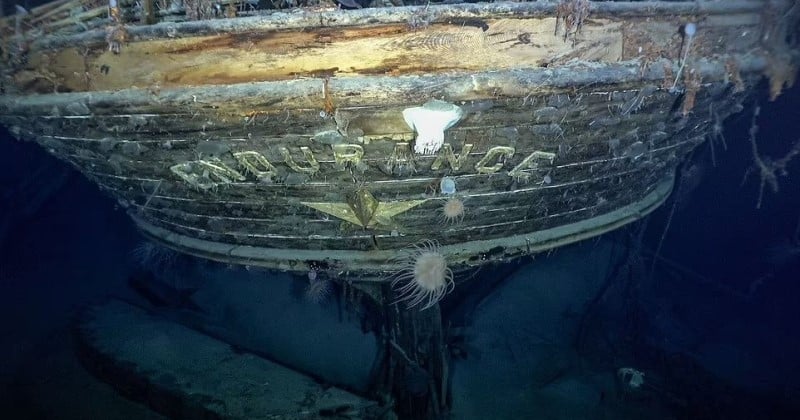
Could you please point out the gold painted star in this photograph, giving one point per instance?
(363, 209)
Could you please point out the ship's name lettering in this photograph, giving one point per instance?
(211, 172)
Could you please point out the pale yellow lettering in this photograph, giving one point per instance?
(495, 154)
(531, 162)
(455, 161)
(313, 165)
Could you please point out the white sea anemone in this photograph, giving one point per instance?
(429, 121)
(318, 289)
(424, 277)
(152, 256)
(453, 210)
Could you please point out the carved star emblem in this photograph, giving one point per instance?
(363, 209)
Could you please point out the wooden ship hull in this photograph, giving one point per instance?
(336, 143)
(286, 139)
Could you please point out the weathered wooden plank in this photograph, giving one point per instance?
(379, 265)
(456, 13)
(257, 56)
(548, 206)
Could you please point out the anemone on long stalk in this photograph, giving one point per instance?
(423, 277)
